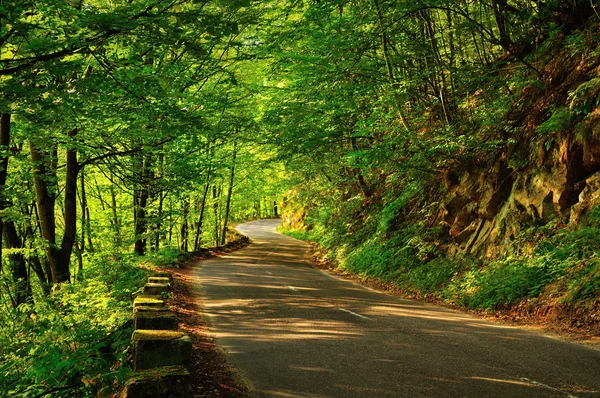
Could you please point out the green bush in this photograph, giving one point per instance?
(77, 339)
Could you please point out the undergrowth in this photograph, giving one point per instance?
(74, 342)
(564, 265)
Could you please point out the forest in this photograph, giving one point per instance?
(450, 148)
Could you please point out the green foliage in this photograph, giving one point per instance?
(585, 97)
(560, 120)
(167, 257)
(78, 337)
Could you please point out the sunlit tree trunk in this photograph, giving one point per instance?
(229, 192)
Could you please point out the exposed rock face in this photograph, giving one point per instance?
(486, 208)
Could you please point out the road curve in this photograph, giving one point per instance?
(295, 331)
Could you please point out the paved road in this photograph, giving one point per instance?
(295, 331)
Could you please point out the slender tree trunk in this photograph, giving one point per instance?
(184, 232)
(140, 223)
(388, 64)
(18, 265)
(198, 239)
(141, 227)
(158, 234)
(216, 196)
(115, 216)
(86, 228)
(170, 221)
(8, 230)
(4, 144)
(499, 7)
(229, 192)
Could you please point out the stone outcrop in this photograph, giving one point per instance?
(486, 208)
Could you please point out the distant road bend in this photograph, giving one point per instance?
(295, 331)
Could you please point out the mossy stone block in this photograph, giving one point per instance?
(156, 288)
(157, 348)
(145, 308)
(148, 301)
(163, 274)
(167, 381)
(157, 320)
(159, 279)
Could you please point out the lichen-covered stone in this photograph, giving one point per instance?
(157, 348)
(145, 308)
(163, 274)
(167, 381)
(159, 279)
(148, 301)
(158, 320)
(156, 288)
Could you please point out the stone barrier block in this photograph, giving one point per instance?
(145, 308)
(163, 274)
(167, 381)
(159, 279)
(156, 288)
(157, 348)
(148, 301)
(155, 320)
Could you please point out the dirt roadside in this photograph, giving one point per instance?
(211, 374)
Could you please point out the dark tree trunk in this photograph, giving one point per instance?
(8, 230)
(140, 223)
(44, 174)
(86, 228)
(185, 210)
(500, 9)
(143, 194)
(4, 143)
(18, 265)
(229, 192)
(158, 234)
(198, 239)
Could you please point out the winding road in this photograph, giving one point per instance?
(295, 331)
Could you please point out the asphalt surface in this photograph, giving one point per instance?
(295, 331)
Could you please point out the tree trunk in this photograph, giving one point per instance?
(4, 143)
(158, 233)
(216, 196)
(185, 210)
(499, 7)
(44, 173)
(140, 223)
(198, 239)
(8, 230)
(86, 229)
(115, 215)
(229, 192)
(141, 227)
